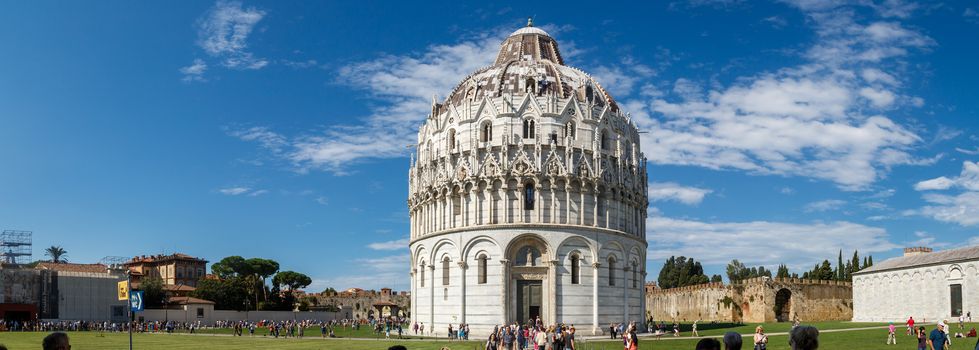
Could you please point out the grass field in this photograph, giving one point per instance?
(872, 339)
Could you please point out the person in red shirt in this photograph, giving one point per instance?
(910, 326)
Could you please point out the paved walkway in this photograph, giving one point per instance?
(670, 337)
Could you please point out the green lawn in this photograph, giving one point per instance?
(706, 329)
(91, 340)
(340, 332)
(860, 339)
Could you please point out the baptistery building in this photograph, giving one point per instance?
(527, 197)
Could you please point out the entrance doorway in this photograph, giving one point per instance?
(783, 305)
(528, 300)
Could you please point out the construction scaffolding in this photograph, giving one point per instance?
(16, 246)
(114, 262)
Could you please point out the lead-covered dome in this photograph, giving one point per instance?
(529, 60)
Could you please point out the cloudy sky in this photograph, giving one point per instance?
(776, 132)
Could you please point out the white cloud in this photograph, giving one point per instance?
(787, 190)
(258, 193)
(375, 273)
(879, 98)
(669, 191)
(234, 191)
(619, 80)
(761, 242)
(821, 119)
(398, 244)
(826, 205)
(938, 183)
(968, 152)
(195, 71)
(968, 179)
(224, 31)
(405, 85)
(962, 208)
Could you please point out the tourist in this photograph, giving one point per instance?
(732, 341)
(322, 329)
(421, 328)
(633, 339)
(972, 333)
(557, 339)
(694, 331)
(569, 340)
(804, 338)
(491, 342)
(451, 333)
(938, 340)
(521, 339)
(56, 341)
(708, 344)
(945, 328)
(760, 340)
(540, 338)
(910, 323)
(890, 334)
(611, 329)
(676, 329)
(922, 338)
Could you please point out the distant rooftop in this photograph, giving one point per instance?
(69, 267)
(924, 258)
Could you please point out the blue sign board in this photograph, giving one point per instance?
(136, 300)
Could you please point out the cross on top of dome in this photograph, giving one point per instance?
(530, 29)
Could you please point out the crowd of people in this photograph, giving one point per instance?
(939, 338)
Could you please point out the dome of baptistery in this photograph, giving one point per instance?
(527, 199)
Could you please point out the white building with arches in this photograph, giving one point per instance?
(923, 284)
(527, 199)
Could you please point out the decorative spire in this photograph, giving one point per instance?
(530, 21)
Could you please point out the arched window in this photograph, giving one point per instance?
(528, 200)
(481, 269)
(589, 93)
(611, 270)
(445, 271)
(528, 128)
(486, 132)
(575, 269)
(604, 140)
(635, 275)
(570, 130)
(452, 139)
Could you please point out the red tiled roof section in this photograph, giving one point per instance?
(189, 300)
(68, 267)
(161, 257)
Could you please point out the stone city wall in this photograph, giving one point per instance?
(360, 306)
(755, 300)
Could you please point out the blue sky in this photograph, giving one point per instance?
(777, 132)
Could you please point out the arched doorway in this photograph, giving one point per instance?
(529, 279)
(783, 305)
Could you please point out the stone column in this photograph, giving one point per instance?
(505, 290)
(431, 297)
(539, 202)
(552, 284)
(520, 203)
(596, 328)
(553, 204)
(581, 206)
(414, 295)
(625, 293)
(567, 207)
(463, 266)
(450, 208)
(594, 213)
(488, 202)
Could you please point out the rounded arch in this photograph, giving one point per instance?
(783, 305)
(439, 249)
(532, 239)
(473, 242)
(592, 253)
(613, 247)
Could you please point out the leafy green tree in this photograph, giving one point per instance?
(57, 254)
(329, 291)
(232, 266)
(680, 272)
(716, 278)
(227, 294)
(291, 279)
(262, 269)
(783, 271)
(153, 293)
(840, 272)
